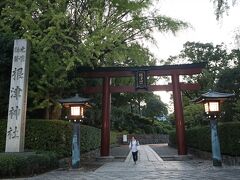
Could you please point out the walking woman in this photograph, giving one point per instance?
(134, 147)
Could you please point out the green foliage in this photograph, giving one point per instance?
(3, 129)
(138, 125)
(229, 135)
(220, 74)
(162, 127)
(26, 164)
(49, 135)
(90, 138)
(216, 58)
(113, 137)
(149, 129)
(67, 34)
(200, 138)
(118, 118)
(155, 107)
(172, 138)
(236, 116)
(146, 104)
(54, 136)
(6, 48)
(229, 82)
(222, 7)
(193, 114)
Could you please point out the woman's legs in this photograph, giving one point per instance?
(135, 156)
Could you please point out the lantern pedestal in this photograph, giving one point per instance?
(76, 145)
(216, 153)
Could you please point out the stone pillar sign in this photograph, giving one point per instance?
(18, 97)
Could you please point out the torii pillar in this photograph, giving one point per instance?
(106, 108)
(178, 110)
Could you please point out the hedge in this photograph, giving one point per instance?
(200, 138)
(45, 135)
(26, 164)
(55, 136)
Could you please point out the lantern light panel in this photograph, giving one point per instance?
(213, 106)
(75, 111)
(206, 107)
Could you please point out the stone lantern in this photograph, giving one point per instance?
(76, 105)
(212, 106)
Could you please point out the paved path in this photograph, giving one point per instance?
(149, 166)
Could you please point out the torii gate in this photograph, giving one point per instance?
(141, 74)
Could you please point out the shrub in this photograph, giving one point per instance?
(55, 136)
(25, 164)
(3, 129)
(172, 137)
(229, 135)
(200, 138)
(90, 138)
(149, 129)
(113, 137)
(49, 135)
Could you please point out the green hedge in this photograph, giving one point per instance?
(26, 164)
(200, 138)
(90, 138)
(54, 135)
(49, 135)
(45, 135)
(3, 129)
(172, 138)
(229, 134)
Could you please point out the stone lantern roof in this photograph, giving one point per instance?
(75, 100)
(213, 95)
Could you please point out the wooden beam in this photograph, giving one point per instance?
(166, 70)
(131, 89)
(149, 73)
(189, 86)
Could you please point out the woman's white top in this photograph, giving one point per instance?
(133, 145)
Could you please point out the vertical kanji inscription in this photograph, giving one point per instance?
(18, 97)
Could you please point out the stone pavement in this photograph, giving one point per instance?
(149, 166)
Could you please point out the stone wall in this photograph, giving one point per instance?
(146, 138)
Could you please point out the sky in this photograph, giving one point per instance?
(205, 28)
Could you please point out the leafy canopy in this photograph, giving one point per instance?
(70, 33)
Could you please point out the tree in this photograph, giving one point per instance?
(5, 72)
(229, 82)
(221, 74)
(155, 107)
(66, 34)
(216, 58)
(193, 115)
(222, 6)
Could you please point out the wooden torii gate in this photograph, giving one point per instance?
(141, 74)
